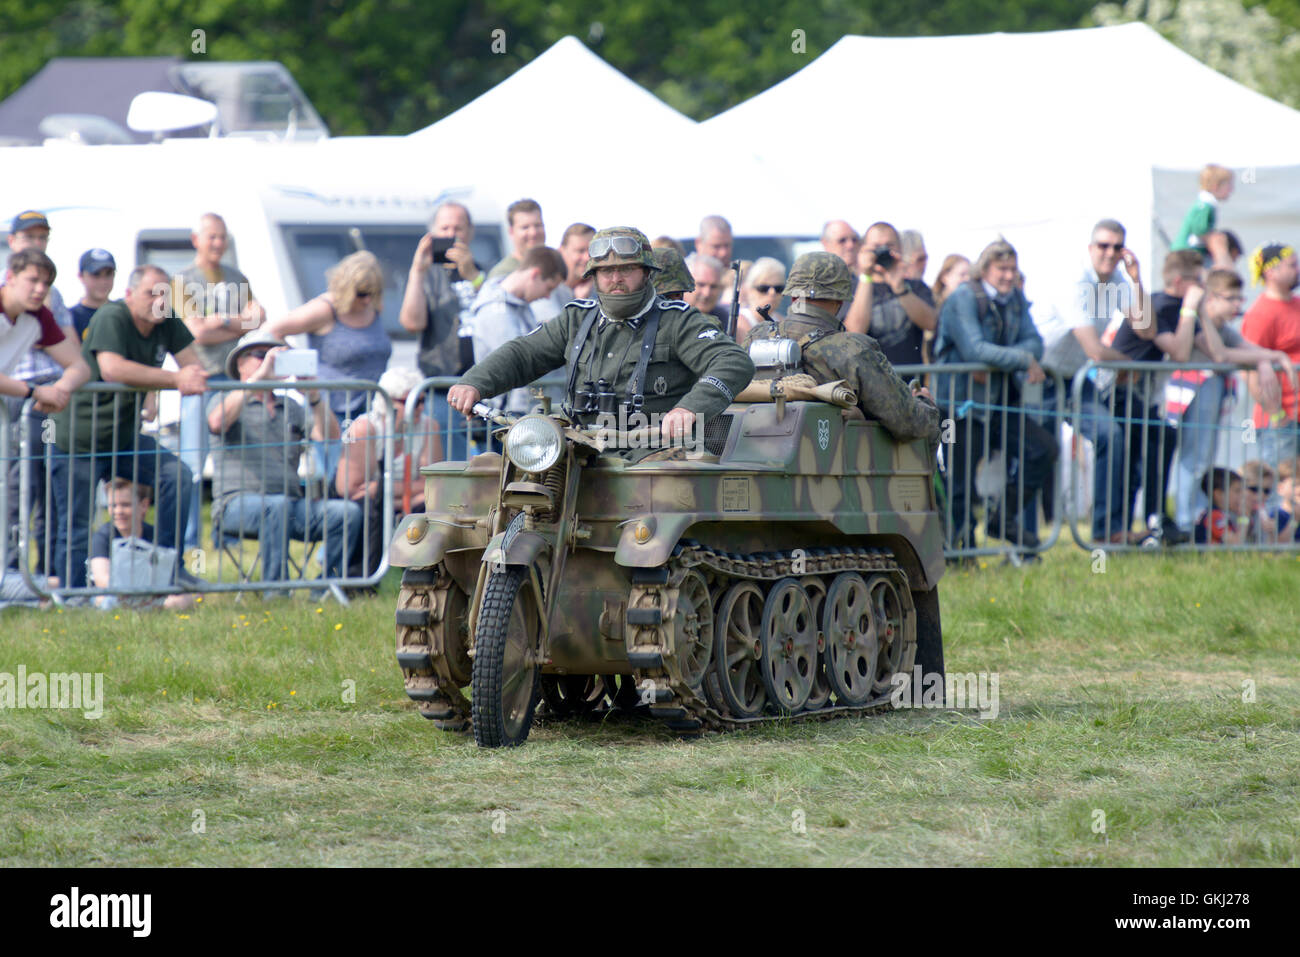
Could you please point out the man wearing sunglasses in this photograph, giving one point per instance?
(1102, 291)
(657, 356)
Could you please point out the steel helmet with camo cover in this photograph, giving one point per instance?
(617, 246)
(673, 275)
(819, 275)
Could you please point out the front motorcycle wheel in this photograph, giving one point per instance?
(506, 680)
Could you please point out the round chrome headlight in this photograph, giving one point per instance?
(534, 443)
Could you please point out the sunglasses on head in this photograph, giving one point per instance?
(765, 289)
(619, 245)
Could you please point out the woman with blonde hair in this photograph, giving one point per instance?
(343, 327)
(954, 271)
(763, 285)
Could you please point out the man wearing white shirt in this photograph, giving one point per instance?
(1102, 290)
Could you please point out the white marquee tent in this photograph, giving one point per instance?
(1035, 136)
(588, 144)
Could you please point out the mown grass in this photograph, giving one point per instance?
(1121, 693)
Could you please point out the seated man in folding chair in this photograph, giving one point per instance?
(258, 438)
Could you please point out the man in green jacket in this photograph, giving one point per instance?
(659, 357)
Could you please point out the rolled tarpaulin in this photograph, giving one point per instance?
(800, 386)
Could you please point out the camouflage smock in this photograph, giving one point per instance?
(693, 364)
(858, 360)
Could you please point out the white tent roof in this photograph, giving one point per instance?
(545, 96)
(544, 132)
(1034, 135)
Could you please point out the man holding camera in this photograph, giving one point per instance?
(894, 310)
(440, 291)
(649, 354)
(258, 437)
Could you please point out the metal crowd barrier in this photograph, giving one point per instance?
(458, 436)
(355, 534)
(998, 449)
(1167, 453)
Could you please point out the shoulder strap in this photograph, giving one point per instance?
(981, 299)
(635, 391)
(583, 331)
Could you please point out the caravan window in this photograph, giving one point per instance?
(171, 249)
(314, 249)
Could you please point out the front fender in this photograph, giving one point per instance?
(665, 532)
(523, 550)
(421, 542)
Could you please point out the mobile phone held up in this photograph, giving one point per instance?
(440, 246)
(299, 362)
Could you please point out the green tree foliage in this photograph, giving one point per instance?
(393, 66)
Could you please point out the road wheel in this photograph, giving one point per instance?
(821, 693)
(789, 646)
(693, 628)
(889, 614)
(737, 648)
(852, 645)
(506, 669)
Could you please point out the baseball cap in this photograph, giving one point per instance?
(93, 260)
(28, 219)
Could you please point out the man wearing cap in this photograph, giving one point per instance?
(98, 434)
(258, 436)
(97, 270)
(818, 284)
(656, 355)
(1273, 321)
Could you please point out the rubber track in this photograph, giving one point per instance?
(762, 567)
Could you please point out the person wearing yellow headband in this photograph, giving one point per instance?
(1274, 323)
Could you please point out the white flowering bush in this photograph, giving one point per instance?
(1249, 45)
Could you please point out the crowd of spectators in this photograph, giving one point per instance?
(1154, 432)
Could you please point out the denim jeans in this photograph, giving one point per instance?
(275, 519)
(1106, 434)
(196, 440)
(1198, 437)
(148, 464)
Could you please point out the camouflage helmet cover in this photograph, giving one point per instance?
(820, 275)
(644, 257)
(673, 275)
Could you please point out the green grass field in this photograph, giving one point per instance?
(1122, 739)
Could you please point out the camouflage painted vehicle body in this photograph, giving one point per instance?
(789, 572)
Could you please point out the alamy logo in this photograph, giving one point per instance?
(961, 691)
(103, 910)
(38, 690)
(824, 433)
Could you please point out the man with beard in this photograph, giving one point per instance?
(659, 357)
